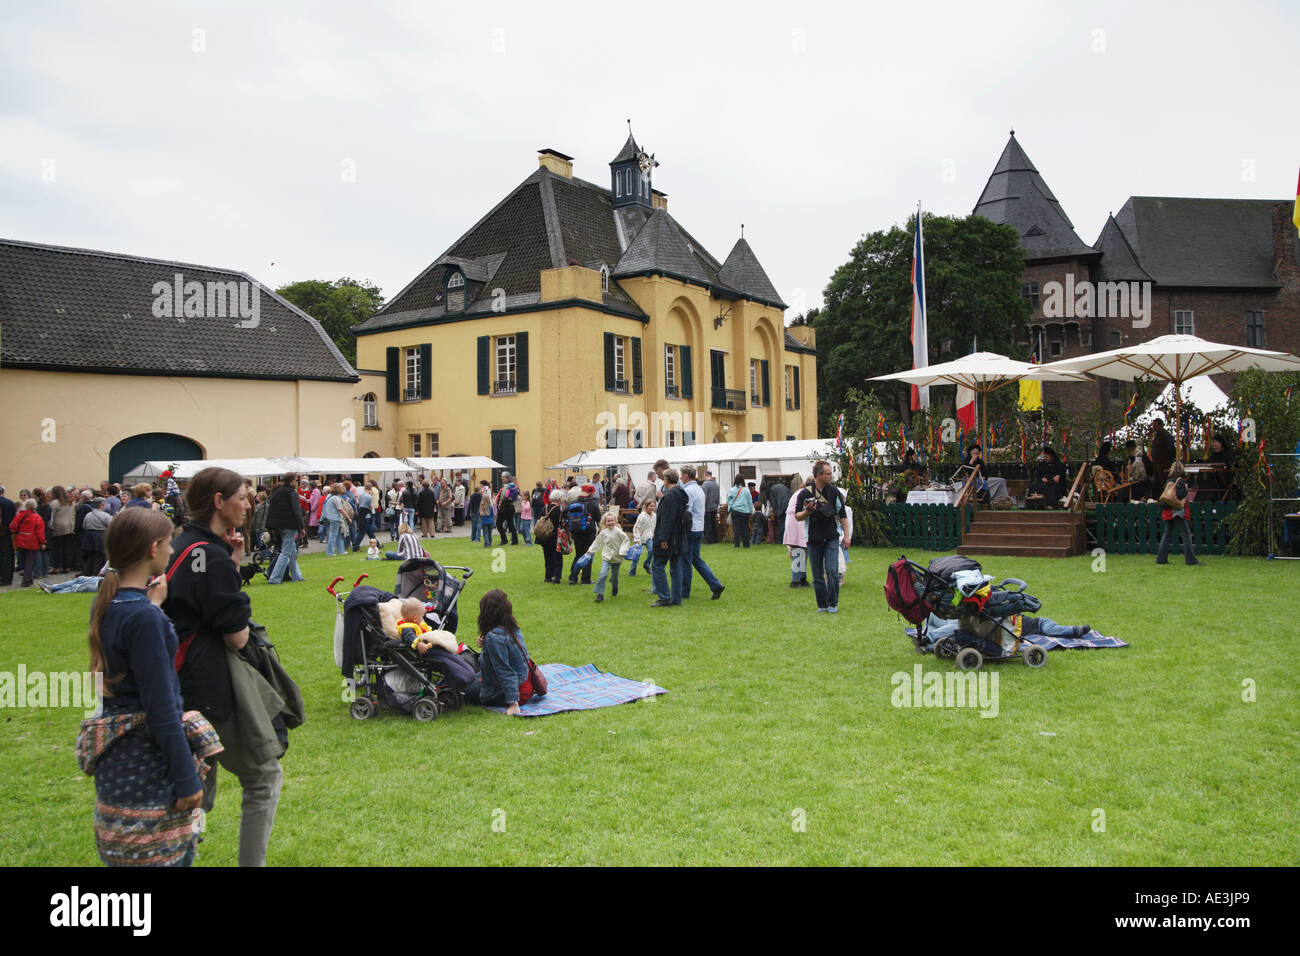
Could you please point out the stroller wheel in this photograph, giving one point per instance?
(969, 659)
(426, 708)
(362, 708)
(945, 648)
(1034, 655)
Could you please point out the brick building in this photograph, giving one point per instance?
(1227, 270)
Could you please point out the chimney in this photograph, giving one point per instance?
(658, 200)
(556, 162)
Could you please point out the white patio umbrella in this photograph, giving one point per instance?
(1176, 358)
(981, 372)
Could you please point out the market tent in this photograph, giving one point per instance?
(1200, 393)
(183, 470)
(1176, 359)
(345, 466)
(454, 463)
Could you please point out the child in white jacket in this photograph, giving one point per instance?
(643, 534)
(612, 544)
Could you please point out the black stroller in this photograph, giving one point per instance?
(261, 559)
(953, 588)
(381, 669)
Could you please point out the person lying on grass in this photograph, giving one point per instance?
(503, 667)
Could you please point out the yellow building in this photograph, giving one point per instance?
(107, 360)
(573, 317)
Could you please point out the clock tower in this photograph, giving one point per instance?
(630, 174)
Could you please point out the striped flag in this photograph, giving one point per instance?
(920, 333)
(966, 402)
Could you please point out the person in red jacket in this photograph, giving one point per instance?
(29, 537)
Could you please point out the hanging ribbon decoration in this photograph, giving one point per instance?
(1132, 404)
(1265, 473)
(1024, 455)
(1287, 392)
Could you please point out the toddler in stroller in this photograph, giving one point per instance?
(988, 616)
(373, 643)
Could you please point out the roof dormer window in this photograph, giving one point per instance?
(455, 291)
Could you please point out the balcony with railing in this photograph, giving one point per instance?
(411, 393)
(621, 386)
(789, 404)
(504, 387)
(729, 400)
(672, 391)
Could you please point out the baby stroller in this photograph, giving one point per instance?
(953, 588)
(380, 669)
(261, 559)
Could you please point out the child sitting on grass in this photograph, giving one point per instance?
(408, 546)
(612, 544)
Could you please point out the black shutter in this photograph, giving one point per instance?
(484, 383)
(609, 361)
(796, 386)
(426, 371)
(636, 366)
(767, 385)
(394, 374)
(685, 359)
(521, 361)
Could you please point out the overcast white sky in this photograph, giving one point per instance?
(810, 123)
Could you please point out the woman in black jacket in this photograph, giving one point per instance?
(426, 507)
(1049, 479)
(1179, 517)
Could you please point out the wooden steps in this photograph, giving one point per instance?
(1032, 534)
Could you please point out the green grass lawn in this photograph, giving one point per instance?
(777, 742)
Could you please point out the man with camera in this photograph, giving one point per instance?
(822, 506)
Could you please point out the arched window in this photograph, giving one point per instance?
(370, 405)
(604, 278)
(455, 292)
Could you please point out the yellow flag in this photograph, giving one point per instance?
(1031, 395)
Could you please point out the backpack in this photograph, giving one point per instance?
(578, 517)
(685, 522)
(900, 591)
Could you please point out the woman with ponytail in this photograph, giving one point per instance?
(210, 611)
(146, 754)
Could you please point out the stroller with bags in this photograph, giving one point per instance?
(379, 668)
(988, 614)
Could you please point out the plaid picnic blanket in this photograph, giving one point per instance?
(1091, 639)
(583, 688)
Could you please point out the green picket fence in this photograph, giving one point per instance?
(1137, 529)
(927, 527)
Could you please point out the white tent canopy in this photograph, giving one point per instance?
(454, 463)
(780, 457)
(346, 466)
(183, 470)
(1200, 393)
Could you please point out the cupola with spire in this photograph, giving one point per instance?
(631, 173)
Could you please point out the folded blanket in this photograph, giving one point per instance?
(583, 688)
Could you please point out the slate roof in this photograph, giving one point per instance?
(794, 345)
(1016, 195)
(86, 310)
(1205, 243)
(742, 272)
(550, 221)
(630, 150)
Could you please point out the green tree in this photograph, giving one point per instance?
(339, 306)
(1262, 398)
(973, 269)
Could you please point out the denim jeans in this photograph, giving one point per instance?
(693, 562)
(1185, 530)
(607, 571)
(288, 559)
(664, 567)
(334, 537)
(360, 529)
(485, 529)
(78, 585)
(474, 527)
(408, 517)
(824, 556)
(526, 529)
(740, 528)
(798, 565)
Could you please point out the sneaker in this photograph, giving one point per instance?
(1081, 631)
(599, 598)
(832, 610)
(718, 592)
(615, 592)
(822, 610)
(662, 603)
(794, 584)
